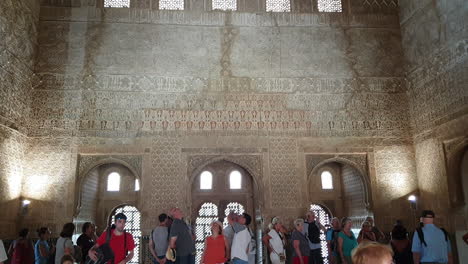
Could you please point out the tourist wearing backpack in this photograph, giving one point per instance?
(332, 240)
(431, 244)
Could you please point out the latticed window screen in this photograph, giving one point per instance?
(171, 4)
(278, 5)
(132, 226)
(324, 218)
(206, 215)
(232, 207)
(116, 3)
(329, 6)
(224, 5)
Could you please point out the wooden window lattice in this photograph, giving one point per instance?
(278, 5)
(224, 5)
(117, 3)
(206, 215)
(324, 218)
(232, 207)
(329, 6)
(171, 4)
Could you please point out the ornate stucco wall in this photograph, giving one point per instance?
(435, 46)
(18, 32)
(166, 92)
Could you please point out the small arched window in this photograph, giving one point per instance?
(329, 6)
(113, 182)
(206, 180)
(327, 180)
(224, 5)
(235, 180)
(116, 3)
(137, 185)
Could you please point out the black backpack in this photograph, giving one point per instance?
(104, 252)
(420, 233)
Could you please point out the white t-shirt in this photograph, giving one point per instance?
(60, 249)
(276, 242)
(240, 245)
(3, 255)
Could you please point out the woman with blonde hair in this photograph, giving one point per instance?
(300, 243)
(274, 242)
(366, 234)
(346, 241)
(372, 253)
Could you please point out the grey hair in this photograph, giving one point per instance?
(298, 222)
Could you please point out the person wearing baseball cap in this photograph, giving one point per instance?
(431, 244)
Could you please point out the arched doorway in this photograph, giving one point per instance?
(102, 189)
(340, 187)
(324, 217)
(132, 226)
(217, 189)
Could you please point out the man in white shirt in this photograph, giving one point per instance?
(241, 240)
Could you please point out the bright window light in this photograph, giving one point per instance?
(206, 180)
(327, 180)
(235, 180)
(137, 185)
(412, 198)
(113, 182)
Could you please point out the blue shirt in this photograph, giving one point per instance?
(37, 253)
(437, 248)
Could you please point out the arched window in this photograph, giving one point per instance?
(329, 6)
(327, 180)
(224, 5)
(132, 226)
(113, 182)
(206, 215)
(171, 4)
(278, 5)
(232, 207)
(137, 185)
(235, 180)
(116, 3)
(206, 180)
(323, 217)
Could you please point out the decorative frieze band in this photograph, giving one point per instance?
(158, 84)
(214, 18)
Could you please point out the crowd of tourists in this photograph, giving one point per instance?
(173, 242)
